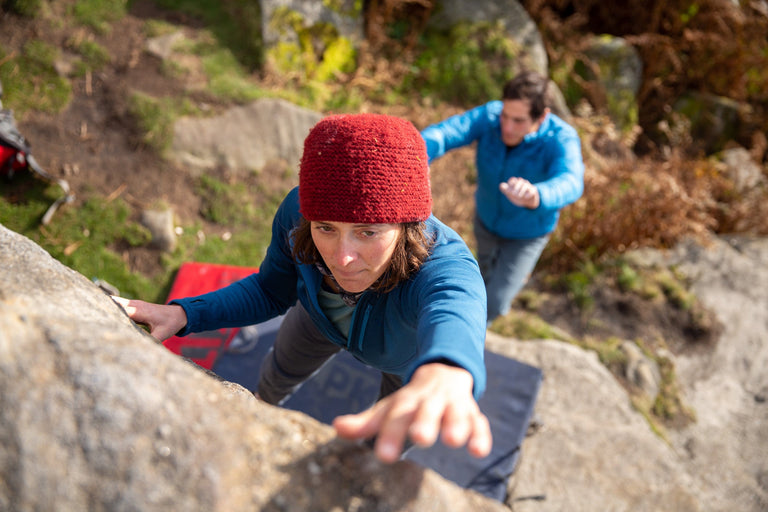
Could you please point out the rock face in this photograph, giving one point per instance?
(244, 138)
(727, 446)
(595, 452)
(95, 415)
(509, 13)
(344, 16)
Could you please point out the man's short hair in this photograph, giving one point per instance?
(529, 86)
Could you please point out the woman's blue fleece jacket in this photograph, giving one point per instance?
(438, 314)
(550, 158)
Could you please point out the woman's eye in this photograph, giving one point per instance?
(367, 234)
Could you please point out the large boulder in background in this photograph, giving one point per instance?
(244, 138)
(592, 451)
(618, 73)
(312, 39)
(512, 16)
(711, 121)
(726, 385)
(95, 415)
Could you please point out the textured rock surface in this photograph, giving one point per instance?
(594, 452)
(94, 415)
(244, 138)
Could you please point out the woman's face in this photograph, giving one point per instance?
(356, 254)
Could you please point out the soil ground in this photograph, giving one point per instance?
(94, 146)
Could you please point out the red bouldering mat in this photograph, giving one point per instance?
(204, 348)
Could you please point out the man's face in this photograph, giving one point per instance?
(516, 121)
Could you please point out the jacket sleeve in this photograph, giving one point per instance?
(459, 130)
(451, 305)
(258, 297)
(565, 181)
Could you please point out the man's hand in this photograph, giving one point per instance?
(436, 402)
(520, 192)
(163, 320)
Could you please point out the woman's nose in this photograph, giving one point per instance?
(345, 253)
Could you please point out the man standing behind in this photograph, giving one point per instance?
(529, 166)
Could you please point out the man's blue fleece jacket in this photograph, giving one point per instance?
(550, 158)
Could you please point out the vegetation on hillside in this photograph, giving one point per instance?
(711, 46)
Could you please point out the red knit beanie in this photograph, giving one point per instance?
(364, 168)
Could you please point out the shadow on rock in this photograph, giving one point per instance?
(342, 475)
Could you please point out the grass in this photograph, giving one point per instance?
(227, 79)
(30, 81)
(91, 237)
(99, 14)
(27, 8)
(154, 120)
(675, 290)
(233, 24)
(95, 56)
(667, 407)
(231, 205)
(86, 239)
(225, 204)
(524, 325)
(614, 271)
(242, 247)
(155, 117)
(627, 278)
(579, 284)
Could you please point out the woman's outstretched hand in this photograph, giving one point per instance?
(436, 402)
(163, 320)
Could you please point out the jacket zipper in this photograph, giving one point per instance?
(358, 328)
(499, 194)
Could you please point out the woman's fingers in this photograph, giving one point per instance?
(163, 320)
(436, 403)
(125, 304)
(358, 426)
(400, 413)
(427, 422)
(481, 440)
(457, 427)
(376, 420)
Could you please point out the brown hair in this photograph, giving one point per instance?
(411, 252)
(531, 87)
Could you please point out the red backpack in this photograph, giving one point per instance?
(15, 156)
(13, 146)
